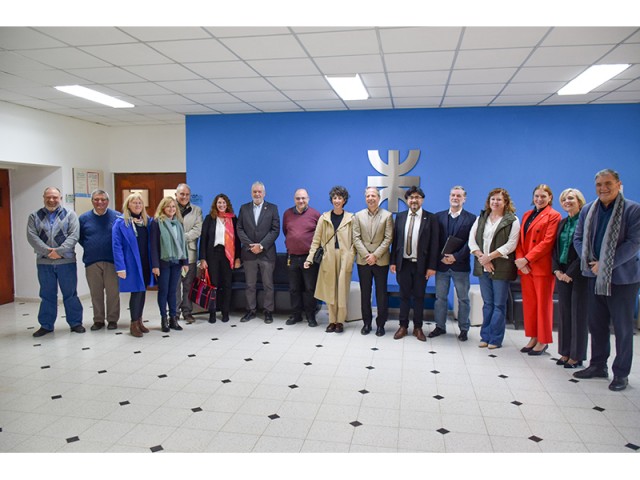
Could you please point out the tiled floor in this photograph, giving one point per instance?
(252, 387)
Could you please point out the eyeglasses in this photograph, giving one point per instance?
(301, 198)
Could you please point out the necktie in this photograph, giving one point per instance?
(410, 234)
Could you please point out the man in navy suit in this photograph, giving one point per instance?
(455, 225)
(414, 259)
(258, 227)
(607, 238)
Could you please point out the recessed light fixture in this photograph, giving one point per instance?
(94, 96)
(348, 87)
(591, 78)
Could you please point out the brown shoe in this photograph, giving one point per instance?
(135, 329)
(143, 329)
(401, 332)
(419, 334)
(331, 328)
(339, 328)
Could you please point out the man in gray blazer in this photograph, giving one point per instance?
(372, 235)
(258, 227)
(607, 238)
(192, 223)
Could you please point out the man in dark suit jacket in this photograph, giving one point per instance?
(455, 224)
(258, 227)
(414, 258)
(607, 238)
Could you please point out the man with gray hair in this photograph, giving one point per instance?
(53, 232)
(258, 227)
(608, 238)
(192, 224)
(95, 238)
(372, 236)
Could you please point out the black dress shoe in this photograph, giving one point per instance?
(618, 383)
(250, 315)
(380, 332)
(212, 317)
(312, 322)
(112, 326)
(436, 332)
(78, 329)
(560, 361)
(463, 336)
(537, 353)
(268, 318)
(526, 349)
(225, 317)
(41, 331)
(366, 330)
(292, 320)
(592, 371)
(97, 326)
(573, 365)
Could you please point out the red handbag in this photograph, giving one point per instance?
(202, 292)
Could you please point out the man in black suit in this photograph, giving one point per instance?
(414, 258)
(258, 227)
(455, 225)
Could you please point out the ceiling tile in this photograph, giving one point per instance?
(350, 64)
(224, 32)
(478, 101)
(498, 58)
(501, 37)
(322, 105)
(222, 69)
(251, 97)
(190, 109)
(619, 96)
(140, 88)
(80, 36)
(207, 50)
(150, 34)
(423, 91)
(299, 83)
(419, 39)
(519, 99)
(67, 57)
(377, 103)
(379, 92)
(127, 54)
(172, 99)
(572, 55)
(626, 53)
(474, 90)
(12, 62)
(9, 81)
(189, 86)
(586, 35)
(547, 74)
(407, 62)
(159, 73)
(211, 98)
(356, 42)
(53, 77)
(289, 67)
(235, 108)
(325, 94)
(256, 48)
(533, 88)
(417, 102)
(20, 38)
(105, 74)
(631, 86)
(243, 84)
(437, 77)
(490, 75)
(276, 106)
(571, 99)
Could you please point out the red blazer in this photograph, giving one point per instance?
(539, 242)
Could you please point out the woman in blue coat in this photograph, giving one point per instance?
(130, 240)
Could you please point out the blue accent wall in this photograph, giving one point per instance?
(480, 148)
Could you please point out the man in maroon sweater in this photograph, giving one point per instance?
(298, 225)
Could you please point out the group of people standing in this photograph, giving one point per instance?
(592, 254)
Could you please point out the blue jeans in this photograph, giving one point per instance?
(167, 286)
(49, 277)
(494, 297)
(461, 284)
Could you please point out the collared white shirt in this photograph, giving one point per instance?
(487, 237)
(220, 230)
(414, 238)
(455, 214)
(256, 211)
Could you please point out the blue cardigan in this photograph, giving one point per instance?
(126, 257)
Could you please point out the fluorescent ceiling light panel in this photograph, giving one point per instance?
(94, 96)
(591, 78)
(348, 87)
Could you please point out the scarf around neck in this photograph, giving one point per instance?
(229, 237)
(172, 244)
(609, 242)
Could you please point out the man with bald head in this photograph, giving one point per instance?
(53, 232)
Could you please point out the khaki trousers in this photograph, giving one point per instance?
(102, 278)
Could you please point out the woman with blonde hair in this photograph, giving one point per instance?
(168, 259)
(533, 259)
(130, 242)
(573, 331)
(492, 240)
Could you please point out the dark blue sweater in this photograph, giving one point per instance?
(95, 236)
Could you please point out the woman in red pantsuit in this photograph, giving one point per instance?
(533, 259)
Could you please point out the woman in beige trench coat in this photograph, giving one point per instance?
(334, 277)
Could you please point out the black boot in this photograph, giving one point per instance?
(164, 324)
(173, 323)
(212, 317)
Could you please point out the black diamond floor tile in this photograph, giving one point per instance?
(573, 380)
(438, 397)
(191, 355)
(363, 392)
(598, 409)
(102, 371)
(516, 403)
(293, 386)
(503, 376)
(226, 381)
(196, 410)
(45, 366)
(274, 416)
(248, 359)
(443, 431)
(73, 439)
(56, 397)
(370, 367)
(355, 423)
(435, 372)
(535, 439)
(628, 445)
(307, 363)
(126, 402)
(164, 375)
(157, 448)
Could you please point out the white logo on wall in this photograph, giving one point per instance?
(393, 180)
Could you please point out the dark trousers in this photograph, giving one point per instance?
(168, 280)
(136, 305)
(220, 274)
(412, 288)
(573, 331)
(184, 288)
(617, 309)
(368, 274)
(266, 268)
(302, 286)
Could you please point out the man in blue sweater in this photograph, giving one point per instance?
(95, 238)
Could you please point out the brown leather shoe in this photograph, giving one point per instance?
(331, 328)
(400, 333)
(135, 329)
(143, 329)
(339, 328)
(419, 334)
